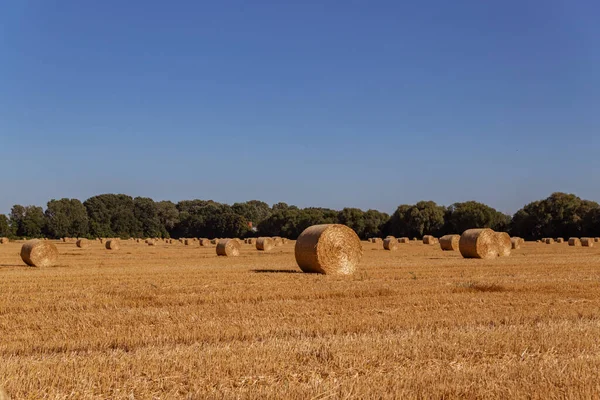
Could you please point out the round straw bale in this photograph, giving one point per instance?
(560, 240)
(404, 240)
(428, 239)
(264, 243)
(102, 240)
(39, 253)
(515, 243)
(328, 249)
(478, 243)
(4, 240)
(251, 240)
(449, 242)
(574, 241)
(187, 242)
(587, 242)
(373, 240)
(390, 243)
(81, 243)
(277, 241)
(228, 247)
(151, 243)
(504, 244)
(595, 240)
(214, 241)
(549, 241)
(112, 244)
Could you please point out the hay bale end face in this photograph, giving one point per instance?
(390, 243)
(504, 244)
(228, 248)
(428, 239)
(587, 242)
(39, 253)
(82, 243)
(479, 243)
(574, 242)
(515, 243)
(112, 244)
(264, 244)
(328, 249)
(449, 242)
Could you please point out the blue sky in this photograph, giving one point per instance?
(368, 104)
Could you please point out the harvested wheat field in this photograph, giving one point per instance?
(175, 321)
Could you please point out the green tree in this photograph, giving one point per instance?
(471, 214)
(148, 224)
(560, 215)
(353, 218)
(111, 215)
(253, 211)
(425, 217)
(375, 222)
(4, 226)
(66, 217)
(168, 215)
(27, 221)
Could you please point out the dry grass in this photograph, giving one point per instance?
(175, 321)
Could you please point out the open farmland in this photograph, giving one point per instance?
(175, 321)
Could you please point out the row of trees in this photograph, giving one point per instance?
(118, 215)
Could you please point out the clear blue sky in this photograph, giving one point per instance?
(368, 104)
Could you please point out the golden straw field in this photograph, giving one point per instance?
(175, 321)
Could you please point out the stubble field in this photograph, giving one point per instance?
(175, 321)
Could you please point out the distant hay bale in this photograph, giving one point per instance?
(479, 243)
(574, 241)
(390, 243)
(82, 243)
(449, 242)
(4, 240)
(404, 240)
(39, 253)
(277, 241)
(560, 240)
(264, 244)
(549, 241)
(515, 243)
(151, 243)
(187, 242)
(251, 240)
(428, 239)
(112, 244)
(228, 248)
(204, 242)
(587, 242)
(102, 240)
(328, 249)
(595, 240)
(373, 240)
(504, 244)
(284, 240)
(214, 241)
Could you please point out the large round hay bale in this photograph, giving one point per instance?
(504, 244)
(187, 242)
(587, 242)
(82, 243)
(214, 241)
(428, 239)
(449, 242)
(560, 240)
(596, 240)
(328, 249)
(251, 240)
(39, 253)
(277, 241)
(112, 244)
(478, 243)
(404, 240)
(264, 243)
(204, 242)
(390, 243)
(574, 242)
(228, 248)
(4, 240)
(515, 243)
(549, 241)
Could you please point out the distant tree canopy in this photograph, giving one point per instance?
(560, 215)
(119, 215)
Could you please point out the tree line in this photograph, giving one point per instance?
(119, 215)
